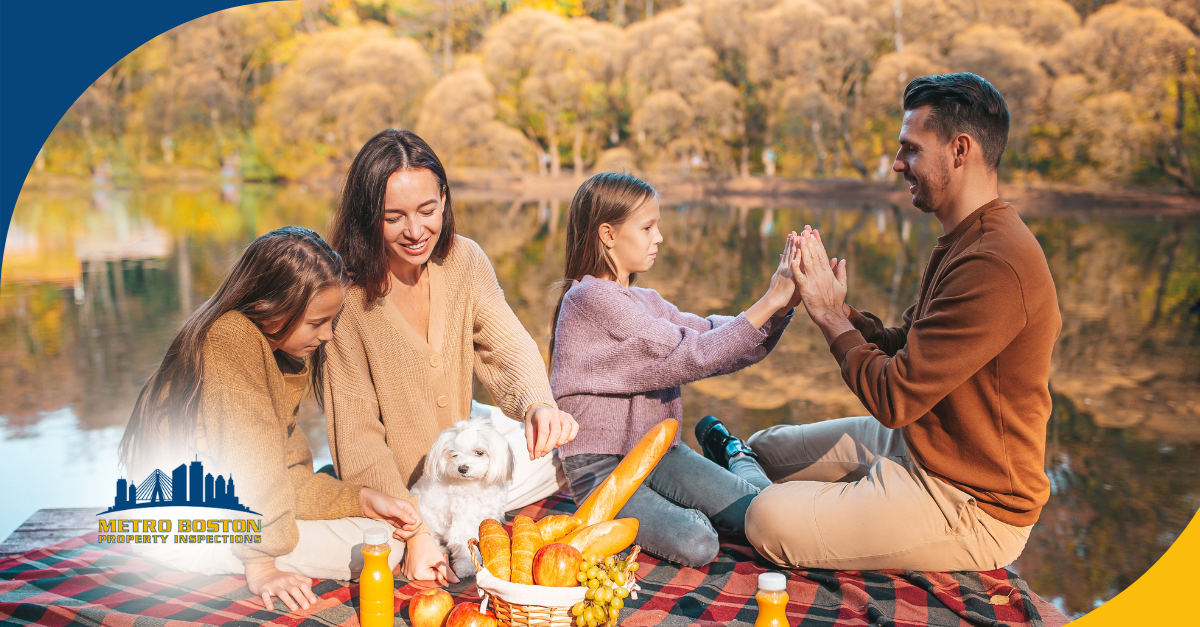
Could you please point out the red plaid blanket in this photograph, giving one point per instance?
(78, 582)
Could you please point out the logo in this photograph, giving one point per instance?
(159, 490)
(181, 500)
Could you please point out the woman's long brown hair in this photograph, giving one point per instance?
(356, 228)
(605, 198)
(272, 284)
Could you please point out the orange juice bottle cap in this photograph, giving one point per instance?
(772, 582)
(375, 535)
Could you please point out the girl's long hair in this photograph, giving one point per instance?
(608, 197)
(272, 284)
(356, 228)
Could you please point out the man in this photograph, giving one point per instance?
(947, 472)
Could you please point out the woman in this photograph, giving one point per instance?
(226, 394)
(424, 314)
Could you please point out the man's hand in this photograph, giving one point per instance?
(822, 286)
(547, 428)
(399, 513)
(424, 561)
(265, 580)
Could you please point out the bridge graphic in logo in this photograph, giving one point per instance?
(187, 486)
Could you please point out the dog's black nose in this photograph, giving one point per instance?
(462, 470)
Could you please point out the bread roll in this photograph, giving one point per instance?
(526, 540)
(554, 527)
(493, 545)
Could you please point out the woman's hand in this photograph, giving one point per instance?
(424, 561)
(547, 428)
(266, 581)
(399, 513)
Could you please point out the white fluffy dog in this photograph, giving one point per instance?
(465, 480)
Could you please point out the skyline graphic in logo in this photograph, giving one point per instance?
(187, 486)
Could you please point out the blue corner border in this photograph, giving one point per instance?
(50, 52)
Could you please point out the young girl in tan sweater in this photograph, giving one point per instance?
(227, 392)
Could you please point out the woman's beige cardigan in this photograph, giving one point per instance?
(388, 392)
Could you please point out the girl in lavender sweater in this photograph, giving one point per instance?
(620, 354)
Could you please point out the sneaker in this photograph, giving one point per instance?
(717, 444)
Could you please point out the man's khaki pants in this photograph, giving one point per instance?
(847, 496)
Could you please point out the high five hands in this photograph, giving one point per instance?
(820, 284)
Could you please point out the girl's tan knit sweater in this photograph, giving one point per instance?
(388, 392)
(247, 430)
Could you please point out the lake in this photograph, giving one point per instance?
(95, 283)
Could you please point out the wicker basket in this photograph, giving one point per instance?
(553, 610)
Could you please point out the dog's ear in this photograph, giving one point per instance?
(438, 453)
(501, 462)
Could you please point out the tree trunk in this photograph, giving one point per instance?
(577, 150)
(552, 140)
(819, 144)
(744, 165)
(854, 160)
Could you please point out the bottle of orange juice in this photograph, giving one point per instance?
(376, 589)
(772, 600)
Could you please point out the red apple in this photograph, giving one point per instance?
(555, 565)
(468, 615)
(428, 608)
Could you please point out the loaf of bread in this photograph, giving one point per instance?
(526, 540)
(554, 527)
(604, 538)
(605, 501)
(493, 545)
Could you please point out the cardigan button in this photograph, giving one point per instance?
(435, 360)
(443, 400)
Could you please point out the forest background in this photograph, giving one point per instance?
(1101, 93)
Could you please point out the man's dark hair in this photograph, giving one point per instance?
(962, 103)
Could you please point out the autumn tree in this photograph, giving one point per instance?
(344, 86)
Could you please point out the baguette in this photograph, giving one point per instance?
(526, 540)
(493, 545)
(604, 538)
(605, 501)
(553, 528)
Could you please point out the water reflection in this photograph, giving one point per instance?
(95, 284)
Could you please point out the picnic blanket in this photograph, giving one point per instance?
(79, 582)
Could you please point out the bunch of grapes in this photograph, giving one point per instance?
(608, 583)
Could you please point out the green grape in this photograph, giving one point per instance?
(634, 566)
(610, 562)
(620, 579)
(608, 594)
(577, 609)
(617, 604)
(590, 594)
(593, 572)
(621, 592)
(621, 565)
(581, 577)
(593, 583)
(603, 576)
(614, 613)
(583, 566)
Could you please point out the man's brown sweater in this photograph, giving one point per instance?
(967, 375)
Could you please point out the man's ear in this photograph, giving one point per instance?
(962, 146)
